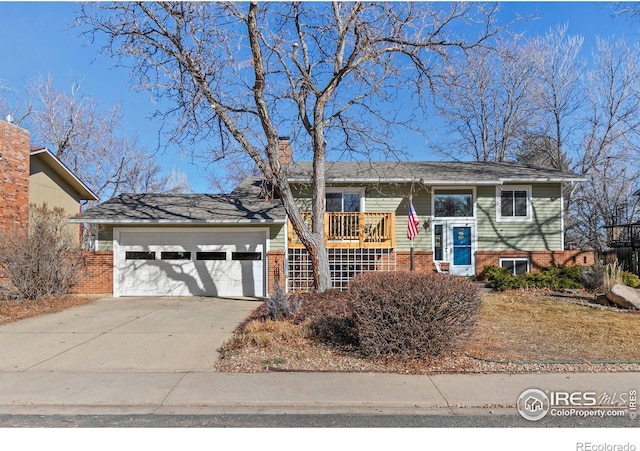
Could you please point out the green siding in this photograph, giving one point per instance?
(277, 237)
(542, 232)
(388, 198)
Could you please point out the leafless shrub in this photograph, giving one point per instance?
(41, 260)
(412, 315)
(593, 276)
(280, 305)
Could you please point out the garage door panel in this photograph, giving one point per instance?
(205, 264)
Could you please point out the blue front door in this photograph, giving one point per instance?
(461, 242)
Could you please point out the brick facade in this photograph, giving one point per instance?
(277, 270)
(14, 176)
(97, 275)
(538, 259)
(422, 261)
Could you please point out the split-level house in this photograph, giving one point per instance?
(242, 244)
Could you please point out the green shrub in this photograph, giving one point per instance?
(630, 279)
(554, 277)
(412, 315)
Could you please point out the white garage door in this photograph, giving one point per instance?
(184, 263)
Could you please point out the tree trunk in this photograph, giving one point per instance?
(313, 242)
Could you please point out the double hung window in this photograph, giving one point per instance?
(514, 203)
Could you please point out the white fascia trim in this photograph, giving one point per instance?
(543, 180)
(400, 180)
(173, 221)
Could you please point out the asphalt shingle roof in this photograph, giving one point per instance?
(245, 204)
(431, 172)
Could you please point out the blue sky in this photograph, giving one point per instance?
(35, 41)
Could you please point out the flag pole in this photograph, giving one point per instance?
(411, 256)
(412, 230)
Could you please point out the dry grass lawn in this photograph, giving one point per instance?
(522, 326)
(11, 311)
(516, 332)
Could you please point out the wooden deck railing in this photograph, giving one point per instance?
(353, 230)
(625, 235)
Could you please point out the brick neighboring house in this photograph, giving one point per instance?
(240, 244)
(34, 176)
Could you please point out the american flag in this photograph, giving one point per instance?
(414, 222)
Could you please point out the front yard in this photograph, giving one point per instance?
(517, 331)
(11, 311)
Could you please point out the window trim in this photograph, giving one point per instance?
(343, 191)
(513, 188)
(474, 200)
(516, 259)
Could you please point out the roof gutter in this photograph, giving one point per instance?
(175, 221)
(398, 180)
(446, 182)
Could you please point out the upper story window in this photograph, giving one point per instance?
(453, 203)
(344, 201)
(514, 203)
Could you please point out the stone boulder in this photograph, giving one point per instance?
(624, 296)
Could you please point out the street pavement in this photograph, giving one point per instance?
(155, 356)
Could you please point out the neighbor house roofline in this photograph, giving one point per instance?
(61, 170)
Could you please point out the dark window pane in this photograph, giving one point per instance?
(246, 256)
(211, 256)
(516, 267)
(140, 255)
(438, 242)
(507, 264)
(521, 267)
(520, 203)
(175, 255)
(334, 201)
(507, 203)
(351, 202)
(453, 205)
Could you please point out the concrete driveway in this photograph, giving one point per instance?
(124, 335)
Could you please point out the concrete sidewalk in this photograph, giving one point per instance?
(210, 392)
(157, 355)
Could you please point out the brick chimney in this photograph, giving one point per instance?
(285, 150)
(15, 154)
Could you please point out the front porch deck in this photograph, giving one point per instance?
(353, 230)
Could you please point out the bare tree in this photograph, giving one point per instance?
(323, 73)
(88, 139)
(485, 101)
(611, 143)
(558, 94)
